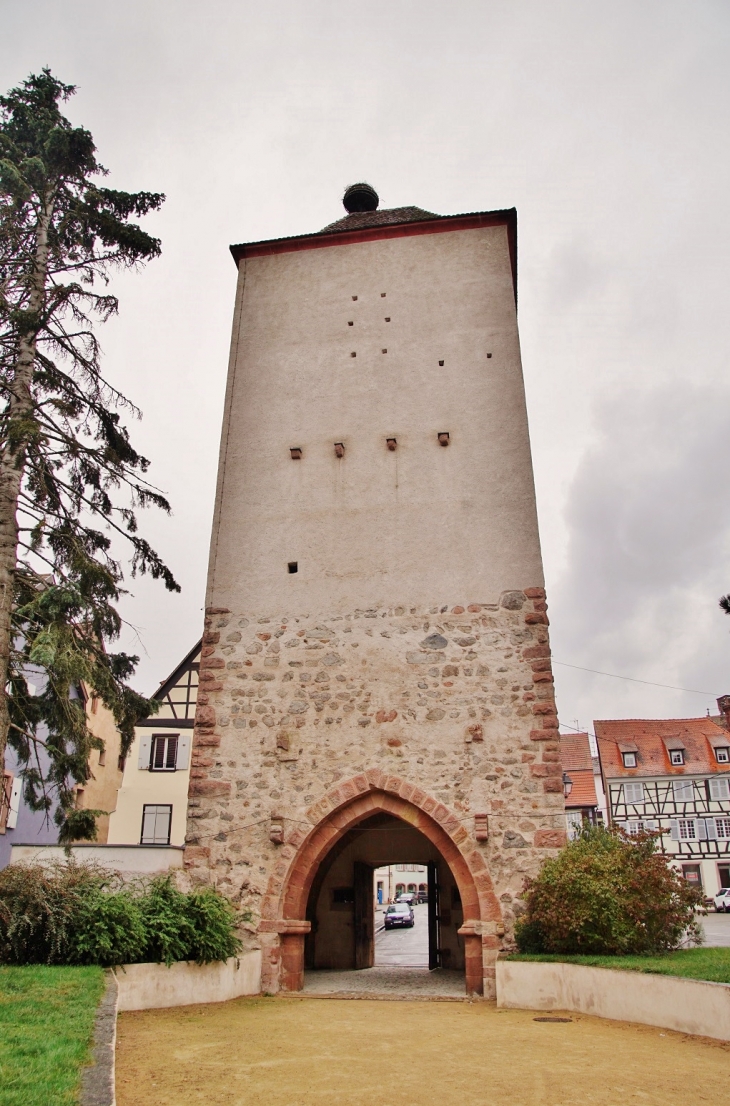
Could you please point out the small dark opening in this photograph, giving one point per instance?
(441, 363)
(293, 566)
(350, 324)
(385, 351)
(354, 297)
(489, 355)
(382, 295)
(353, 355)
(387, 318)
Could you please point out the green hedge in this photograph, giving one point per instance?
(82, 914)
(608, 893)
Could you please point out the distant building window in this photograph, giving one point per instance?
(720, 789)
(633, 792)
(722, 827)
(676, 756)
(342, 895)
(629, 760)
(641, 826)
(687, 829)
(691, 873)
(121, 761)
(400, 888)
(156, 821)
(412, 887)
(163, 754)
(683, 791)
(722, 755)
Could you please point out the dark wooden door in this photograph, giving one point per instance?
(434, 910)
(364, 916)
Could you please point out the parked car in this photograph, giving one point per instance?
(399, 914)
(722, 901)
(422, 896)
(407, 896)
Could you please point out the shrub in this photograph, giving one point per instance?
(81, 914)
(607, 892)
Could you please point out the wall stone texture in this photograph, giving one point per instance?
(455, 699)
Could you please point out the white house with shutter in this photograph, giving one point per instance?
(152, 802)
(672, 775)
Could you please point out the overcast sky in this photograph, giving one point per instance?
(605, 125)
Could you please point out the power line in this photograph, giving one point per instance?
(633, 680)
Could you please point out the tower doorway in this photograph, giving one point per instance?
(348, 923)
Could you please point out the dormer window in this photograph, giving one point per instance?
(676, 757)
(629, 760)
(722, 754)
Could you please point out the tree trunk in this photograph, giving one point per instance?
(12, 458)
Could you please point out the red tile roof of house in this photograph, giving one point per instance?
(575, 755)
(652, 738)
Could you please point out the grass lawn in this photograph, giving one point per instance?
(703, 963)
(46, 1026)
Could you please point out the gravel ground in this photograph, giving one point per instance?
(306, 1052)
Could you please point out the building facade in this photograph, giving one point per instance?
(673, 775)
(151, 807)
(375, 679)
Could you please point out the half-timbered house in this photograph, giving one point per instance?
(672, 775)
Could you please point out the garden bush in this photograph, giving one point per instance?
(608, 893)
(82, 914)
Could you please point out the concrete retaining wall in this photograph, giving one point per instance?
(150, 986)
(685, 1005)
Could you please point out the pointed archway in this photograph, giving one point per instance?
(283, 925)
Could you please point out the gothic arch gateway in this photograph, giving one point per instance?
(283, 918)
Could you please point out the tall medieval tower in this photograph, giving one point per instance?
(375, 682)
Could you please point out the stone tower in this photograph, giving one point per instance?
(375, 682)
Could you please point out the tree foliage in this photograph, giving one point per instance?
(71, 482)
(608, 892)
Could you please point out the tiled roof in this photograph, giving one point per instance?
(575, 751)
(575, 755)
(583, 791)
(652, 738)
(387, 217)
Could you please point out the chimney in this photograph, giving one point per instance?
(723, 705)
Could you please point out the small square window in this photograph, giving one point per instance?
(156, 822)
(722, 756)
(163, 753)
(676, 756)
(293, 566)
(629, 760)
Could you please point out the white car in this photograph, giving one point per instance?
(722, 901)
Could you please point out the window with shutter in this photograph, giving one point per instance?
(722, 828)
(683, 791)
(145, 744)
(156, 822)
(687, 829)
(633, 793)
(163, 756)
(720, 789)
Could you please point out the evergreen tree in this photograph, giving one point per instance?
(70, 479)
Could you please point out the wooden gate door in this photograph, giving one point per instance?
(364, 916)
(434, 921)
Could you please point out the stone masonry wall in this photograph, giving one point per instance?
(457, 700)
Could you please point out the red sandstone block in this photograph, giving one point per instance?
(418, 796)
(451, 825)
(550, 724)
(393, 783)
(475, 608)
(553, 786)
(537, 619)
(361, 782)
(207, 651)
(296, 837)
(483, 880)
(429, 805)
(266, 925)
(476, 862)
(210, 787)
(217, 610)
(201, 761)
(406, 791)
(205, 716)
(440, 813)
(457, 610)
(550, 839)
(539, 771)
(544, 708)
(270, 907)
(539, 605)
(533, 651)
(196, 852)
(212, 662)
(459, 836)
(548, 754)
(535, 593)
(211, 637)
(542, 664)
(198, 774)
(206, 740)
(213, 686)
(376, 777)
(542, 677)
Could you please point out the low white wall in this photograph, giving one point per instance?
(128, 859)
(150, 986)
(685, 1005)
